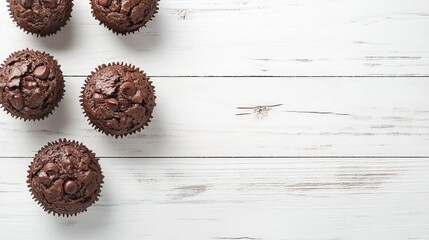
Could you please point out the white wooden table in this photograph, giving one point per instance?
(276, 119)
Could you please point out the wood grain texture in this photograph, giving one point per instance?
(234, 199)
(248, 37)
(201, 117)
(276, 120)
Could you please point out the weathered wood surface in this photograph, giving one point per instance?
(242, 37)
(203, 117)
(298, 119)
(272, 199)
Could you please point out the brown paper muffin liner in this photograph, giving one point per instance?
(62, 82)
(124, 33)
(100, 67)
(59, 28)
(46, 208)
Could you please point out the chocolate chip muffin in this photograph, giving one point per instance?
(124, 16)
(65, 178)
(31, 84)
(40, 17)
(118, 99)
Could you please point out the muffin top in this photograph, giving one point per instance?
(124, 16)
(31, 84)
(65, 177)
(41, 17)
(118, 99)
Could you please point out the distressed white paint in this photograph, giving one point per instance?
(160, 194)
(248, 37)
(234, 199)
(200, 117)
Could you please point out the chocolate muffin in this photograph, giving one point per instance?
(31, 84)
(65, 178)
(124, 16)
(40, 17)
(118, 99)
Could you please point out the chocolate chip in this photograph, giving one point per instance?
(26, 3)
(87, 177)
(92, 187)
(41, 72)
(128, 89)
(51, 169)
(111, 104)
(112, 123)
(105, 3)
(138, 97)
(70, 187)
(137, 112)
(36, 99)
(50, 3)
(17, 102)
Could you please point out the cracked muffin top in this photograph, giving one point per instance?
(31, 84)
(40, 17)
(65, 178)
(118, 99)
(124, 16)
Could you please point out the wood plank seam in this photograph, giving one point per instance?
(274, 76)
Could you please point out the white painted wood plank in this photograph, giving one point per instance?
(242, 37)
(200, 117)
(234, 199)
